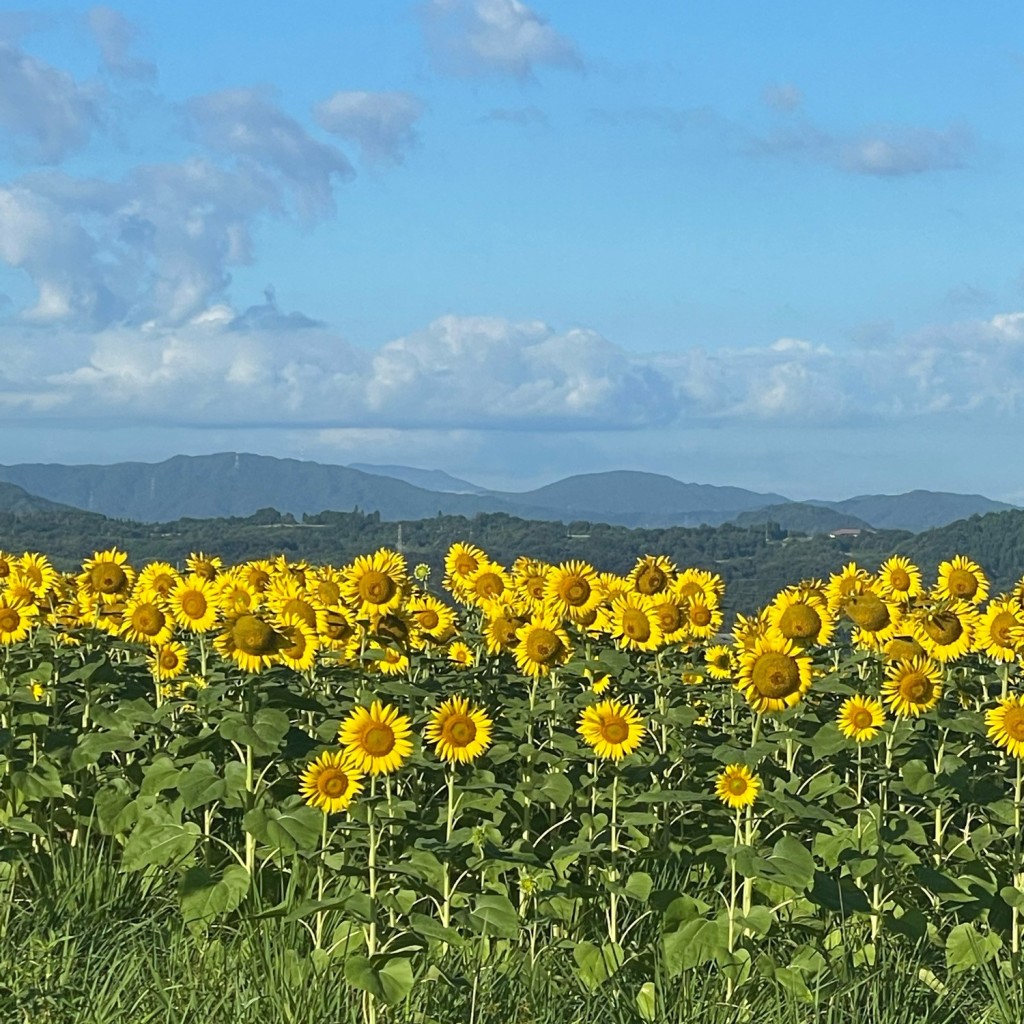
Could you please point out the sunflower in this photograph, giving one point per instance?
(751, 628)
(324, 585)
(702, 620)
(193, 604)
(613, 729)
(900, 648)
(1006, 724)
(458, 731)
(330, 782)
(158, 578)
(720, 661)
(146, 622)
(672, 617)
(912, 687)
(250, 641)
(233, 595)
(200, 564)
(16, 620)
(633, 622)
(572, 590)
(774, 674)
(106, 576)
(541, 646)
(850, 580)
(41, 574)
(899, 579)
(168, 660)
(530, 578)
(876, 621)
(377, 582)
(338, 630)
(860, 718)
(598, 683)
(433, 618)
(1000, 630)
(20, 589)
(652, 574)
(946, 631)
(7, 564)
(501, 627)
(385, 658)
(487, 583)
(298, 648)
(736, 786)
(694, 582)
(257, 574)
(801, 617)
(460, 561)
(376, 739)
(460, 654)
(287, 595)
(960, 579)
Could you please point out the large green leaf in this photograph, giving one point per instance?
(157, 838)
(205, 897)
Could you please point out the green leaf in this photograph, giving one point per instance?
(966, 947)
(646, 1002)
(639, 885)
(839, 894)
(790, 864)
(428, 928)
(158, 839)
(695, 943)
(160, 774)
(389, 980)
(269, 727)
(596, 964)
(917, 778)
(40, 781)
(1012, 897)
(294, 830)
(495, 915)
(557, 788)
(205, 897)
(200, 785)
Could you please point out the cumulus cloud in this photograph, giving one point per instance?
(115, 35)
(471, 37)
(382, 124)
(45, 113)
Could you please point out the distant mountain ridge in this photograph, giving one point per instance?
(231, 484)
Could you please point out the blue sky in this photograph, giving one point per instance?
(773, 246)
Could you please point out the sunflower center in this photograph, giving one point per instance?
(700, 615)
(332, 783)
(328, 591)
(614, 730)
(542, 645)
(489, 585)
(535, 587)
(428, 618)
(862, 719)
(253, 636)
(899, 579)
(297, 646)
(259, 579)
(636, 625)
(903, 649)
(943, 627)
(193, 604)
(207, 570)
(669, 617)
(916, 688)
(799, 622)
(464, 565)
(10, 620)
(148, 620)
(868, 611)
(107, 578)
(776, 675)
(378, 740)
(575, 591)
(1013, 724)
(376, 587)
(168, 658)
(651, 580)
(738, 785)
(460, 731)
(504, 630)
(962, 583)
(1003, 628)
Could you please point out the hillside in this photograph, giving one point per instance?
(801, 517)
(915, 510)
(17, 501)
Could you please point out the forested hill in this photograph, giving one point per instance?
(755, 561)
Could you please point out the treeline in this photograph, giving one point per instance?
(755, 562)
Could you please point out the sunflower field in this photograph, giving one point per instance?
(526, 792)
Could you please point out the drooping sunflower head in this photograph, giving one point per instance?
(459, 732)
(652, 574)
(376, 738)
(1006, 724)
(612, 728)
(202, 564)
(736, 786)
(860, 718)
(912, 687)
(330, 782)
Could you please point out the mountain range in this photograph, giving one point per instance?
(238, 484)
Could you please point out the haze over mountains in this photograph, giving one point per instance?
(236, 484)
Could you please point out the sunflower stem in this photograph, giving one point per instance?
(1017, 876)
(449, 888)
(320, 883)
(371, 867)
(613, 915)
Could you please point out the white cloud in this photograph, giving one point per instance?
(45, 113)
(782, 96)
(380, 123)
(115, 35)
(469, 37)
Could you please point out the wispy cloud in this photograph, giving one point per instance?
(115, 36)
(473, 37)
